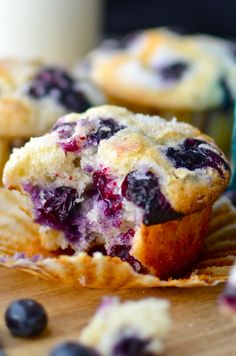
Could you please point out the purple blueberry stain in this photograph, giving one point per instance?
(131, 346)
(121, 246)
(123, 252)
(192, 154)
(58, 83)
(111, 202)
(143, 189)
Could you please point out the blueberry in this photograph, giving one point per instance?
(53, 206)
(173, 71)
(191, 155)
(106, 129)
(143, 189)
(72, 349)
(26, 317)
(58, 83)
(131, 346)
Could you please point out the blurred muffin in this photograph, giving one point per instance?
(128, 328)
(158, 71)
(133, 186)
(33, 96)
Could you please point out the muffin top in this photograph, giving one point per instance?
(159, 69)
(132, 155)
(33, 95)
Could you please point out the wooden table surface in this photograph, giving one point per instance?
(198, 327)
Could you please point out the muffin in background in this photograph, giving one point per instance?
(159, 71)
(33, 95)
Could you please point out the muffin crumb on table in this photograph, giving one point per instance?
(128, 328)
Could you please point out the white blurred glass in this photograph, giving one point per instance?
(60, 31)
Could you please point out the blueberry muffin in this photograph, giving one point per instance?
(163, 72)
(129, 328)
(32, 96)
(128, 185)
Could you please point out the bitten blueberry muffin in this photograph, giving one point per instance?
(128, 185)
(164, 72)
(131, 328)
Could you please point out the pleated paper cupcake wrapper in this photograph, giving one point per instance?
(20, 248)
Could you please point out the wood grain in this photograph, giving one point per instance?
(198, 327)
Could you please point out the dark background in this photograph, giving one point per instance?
(216, 17)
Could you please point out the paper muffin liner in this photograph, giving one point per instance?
(4, 155)
(20, 247)
(18, 234)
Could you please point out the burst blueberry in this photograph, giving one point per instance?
(53, 206)
(192, 154)
(26, 317)
(143, 189)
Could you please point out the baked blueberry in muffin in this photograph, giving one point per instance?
(132, 186)
(130, 328)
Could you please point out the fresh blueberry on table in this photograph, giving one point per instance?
(72, 349)
(26, 317)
